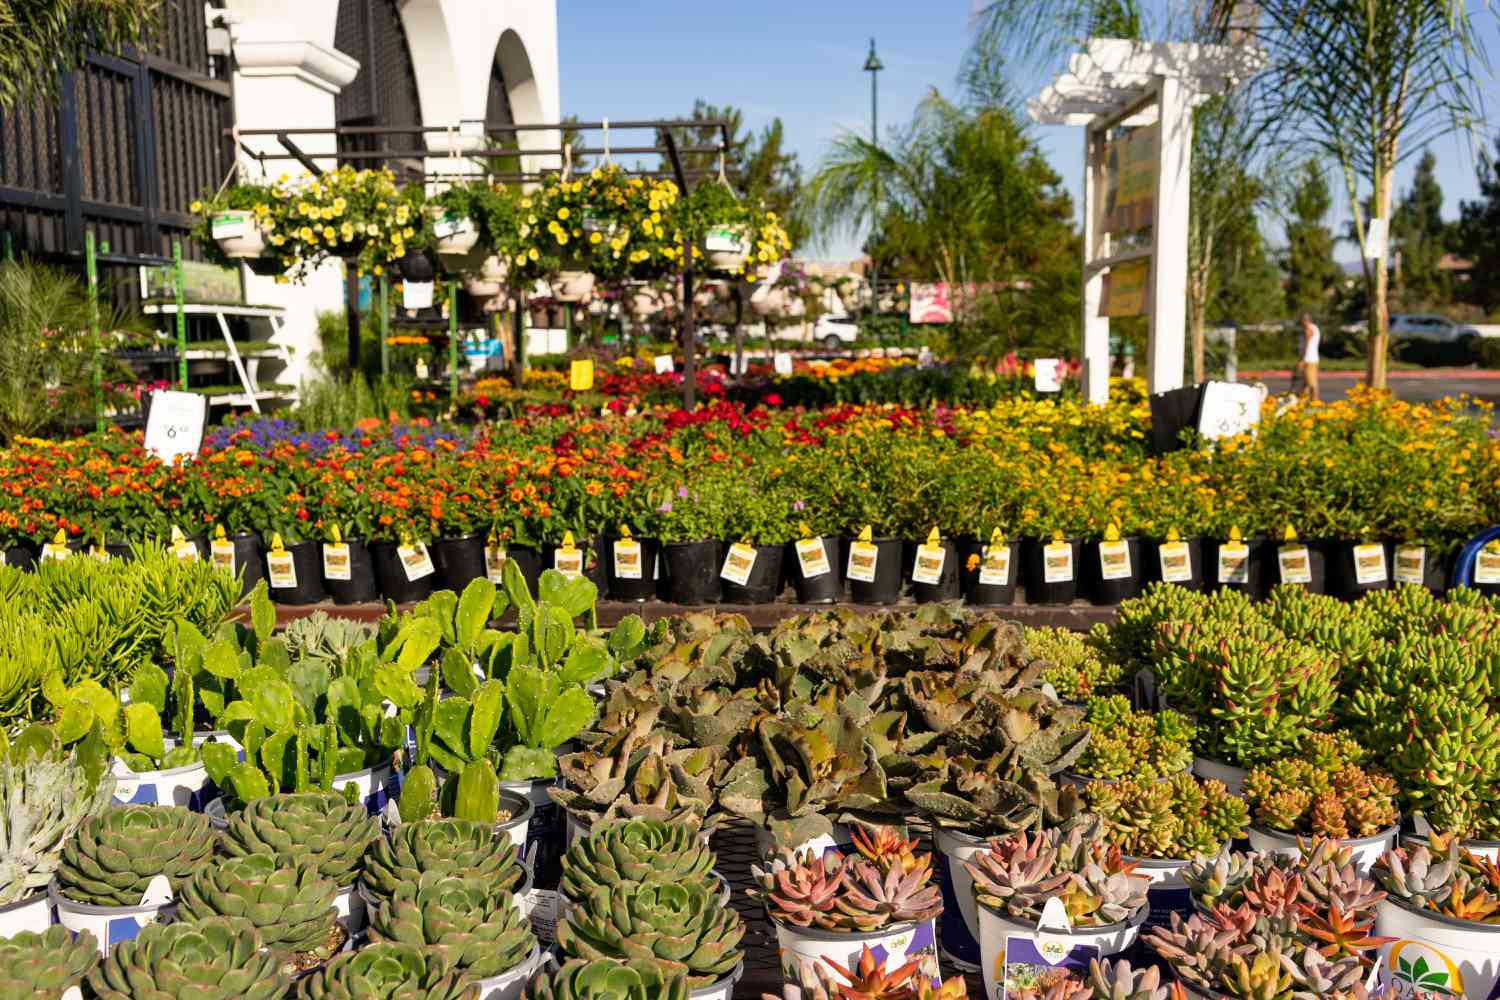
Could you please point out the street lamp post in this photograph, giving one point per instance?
(873, 66)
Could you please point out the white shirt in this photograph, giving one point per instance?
(1310, 351)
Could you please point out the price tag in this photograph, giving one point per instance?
(581, 375)
(995, 572)
(1487, 566)
(812, 556)
(627, 559)
(1176, 562)
(1057, 562)
(1295, 563)
(415, 561)
(229, 225)
(281, 569)
(494, 563)
(221, 551)
(1045, 375)
(1114, 561)
(336, 561)
(928, 567)
(568, 562)
(416, 295)
(863, 557)
(1234, 563)
(663, 364)
(1411, 564)
(174, 426)
(739, 561)
(781, 363)
(1369, 564)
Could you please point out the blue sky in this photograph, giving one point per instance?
(800, 61)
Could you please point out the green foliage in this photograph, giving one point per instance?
(1174, 819)
(680, 925)
(458, 847)
(476, 925)
(389, 970)
(1325, 792)
(214, 959)
(1310, 267)
(1129, 744)
(40, 40)
(315, 830)
(1418, 229)
(117, 853)
(46, 963)
(1078, 667)
(1479, 231)
(289, 904)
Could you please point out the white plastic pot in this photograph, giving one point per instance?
(1367, 850)
(1438, 953)
(960, 937)
(454, 236)
(900, 943)
(839, 839)
(349, 904)
(721, 990)
(727, 247)
(768, 301)
(1233, 777)
(508, 985)
(176, 786)
(108, 924)
(572, 286)
(542, 854)
(996, 928)
(34, 913)
(1487, 849)
(376, 785)
(1168, 892)
(243, 239)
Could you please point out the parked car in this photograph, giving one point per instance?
(1432, 329)
(835, 333)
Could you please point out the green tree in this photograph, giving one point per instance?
(39, 39)
(756, 164)
(1311, 272)
(1422, 237)
(1246, 279)
(1479, 232)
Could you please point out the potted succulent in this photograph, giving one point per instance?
(1327, 793)
(461, 847)
(631, 776)
(390, 970)
(51, 962)
(1123, 743)
(220, 958)
(289, 905)
(869, 977)
(679, 924)
(1440, 918)
(607, 979)
(475, 924)
(1078, 667)
(124, 866)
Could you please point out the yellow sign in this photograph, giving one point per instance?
(1131, 200)
(1126, 288)
(581, 376)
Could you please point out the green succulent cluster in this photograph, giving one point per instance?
(635, 851)
(475, 925)
(1124, 743)
(290, 906)
(1078, 667)
(1173, 819)
(388, 970)
(36, 965)
(606, 979)
(459, 847)
(680, 925)
(116, 854)
(215, 959)
(635, 775)
(317, 830)
(1325, 792)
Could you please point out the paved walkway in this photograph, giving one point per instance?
(1416, 385)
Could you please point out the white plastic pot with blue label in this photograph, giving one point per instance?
(960, 938)
(375, 785)
(176, 786)
(1436, 954)
(1168, 893)
(995, 928)
(896, 945)
(113, 924)
(508, 984)
(31, 913)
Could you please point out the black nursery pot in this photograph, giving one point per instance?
(593, 563)
(1258, 577)
(948, 587)
(764, 583)
(624, 588)
(1318, 553)
(21, 555)
(122, 551)
(360, 588)
(248, 561)
(971, 549)
(1104, 592)
(390, 575)
(458, 561)
(1152, 570)
(1033, 574)
(825, 588)
(1344, 574)
(886, 587)
(307, 557)
(692, 571)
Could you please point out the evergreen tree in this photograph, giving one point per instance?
(1421, 237)
(1479, 232)
(756, 165)
(1311, 271)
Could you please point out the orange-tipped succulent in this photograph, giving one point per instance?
(885, 846)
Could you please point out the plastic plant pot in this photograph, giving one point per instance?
(693, 571)
(1105, 592)
(361, 587)
(1063, 587)
(826, 587)
(391, 575)
(307, 558)
(639, 583)
(1180, 563)
(764, 583)
(948, 587)
(458, 561)
(971, 550)
(885, 587)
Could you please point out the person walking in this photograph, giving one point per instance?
(1308, 365)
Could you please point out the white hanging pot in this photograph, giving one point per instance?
(899, 943)
(721, 990)
(1233, 777)
(839, 839)
(771, 303)
(960, 938)
(508, 985)
(1367, 850)
(109, 924)
(239, 234)
(1437, 953)
(572, 286)
(454, 235)
(31, 913)
(646, 302)
(482, 288)
(727, 247)
(176, 786)
(995, 928)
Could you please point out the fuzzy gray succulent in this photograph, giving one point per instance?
(46, 797)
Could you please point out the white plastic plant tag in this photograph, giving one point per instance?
(1048, 952)
(739, 563)
(656, 566)
(1369, 564)
(478, 672)
(494, 563)
(1045, 375)
(98, 555)
(56, 553)
(415, 561)
(1054, 917)
(1057, 562)
(1296, 566)
(568, 562)
(996, 569)
(1234, 563)
(391, 711)
(1411, 564)
(663, 364)
(281, 570)
(229, 225)
(543, 903)
(185, 551)
(812, 556)
(1176, 562)
(628, 559)
(221, 551)
(863, 557)
(158, 892)
(416, 295)
(1487, 566)
(71, 993)
(928, 567)
(781, 363)
(1114, 561)
(335, 561)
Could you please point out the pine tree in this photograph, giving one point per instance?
(1422, 237)
(1479, 232)
(1310, 268)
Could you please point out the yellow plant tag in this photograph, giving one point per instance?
(1487, 564)
(1114, 557)
(1057, 561)
(996, 570)
(627, 557)
(739, 563)
(1234, 560)
(1112, 532)
(494, 561)
(415, 562)
(221, 551)
(1176, 559)
(568, 558)
(1294, 561)
(812, 557)
(337, 535)
(57, 549)
(1289, 535)
(864, 556)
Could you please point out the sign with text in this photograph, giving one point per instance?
(1132, 162)
(1126, 289)
(175, 425)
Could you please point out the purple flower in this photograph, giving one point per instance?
(665, 508)
(798, 506)
(682, 492)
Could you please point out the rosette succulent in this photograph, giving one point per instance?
(36, 965)
(635, 851)
(679, 925)
(318, 830)
(214, 959)
(1174, 819)
(832, 892)
(462, 847)
(291, 907)
(1453, 882)
(116, 854)
(388, 970)
(1127, 744)
(1019, 873)
(606, 979)
(475, 925)
(869, 979)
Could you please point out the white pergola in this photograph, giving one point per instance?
(1115, 82)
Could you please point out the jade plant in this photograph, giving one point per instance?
(457, 847)
(46, 794)
(1078, 667)
(634, 851)
(389, 970)
(290, 906)
(1124, 743)
(834, 892)
(606, 979)
(316, 830)
(45, 964)
(1017, 874)
(1447, 880)
(215, 959)
(475, 925)
(115, 855)
(679, 924)
(1175, 819)
(635, 776)
(1324, 792)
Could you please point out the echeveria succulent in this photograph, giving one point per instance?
(320, 830)
(675, 924)
(462, 847)
(214, 959)
(475, 925)
(832, 892)
(116, 854)
(388, 970)
(1019, 873)
(607, 979)
(291, 907)
(635, 851)
(35, 965)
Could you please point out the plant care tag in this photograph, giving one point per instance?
(863, 557)
(221, 551)
(628, 559)
(739, 563)
(451, 225)
(185, 550)
(568, 559)
(71, 993)
(229, 225)
(812, 556)
(928, 567)
(1369, 564)
(494, 563)
(1411, 564)
(1234, 563)
(336, 561)
(1176, 562)
(543, 904)
(56, 550)
(1057, 562)
(281, 569)
(1047, 954)
(1114, 561)
(98, 554)
(995, 571)
(1046, 375)
(1296, 565)
(158, 892)
(415, 561)
(662, 364)
(1487, 565)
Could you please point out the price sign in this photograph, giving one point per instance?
(174, 427)
(221, 550)
(928, 567)
(282, 570)
(1234, 563)
(568, 562)
(229, 225)
(663, 364)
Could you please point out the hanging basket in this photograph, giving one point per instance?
(727, 247)
(454, 235)
(572, 286)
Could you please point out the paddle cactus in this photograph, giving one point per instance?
(115, 855)
(678, 925)
(461, 847)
